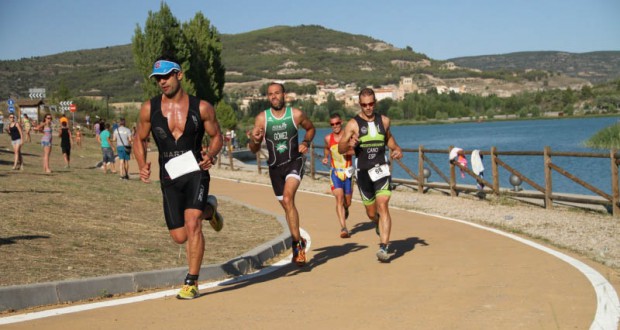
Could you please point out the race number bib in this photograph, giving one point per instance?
(181, 165)
(349, 171)
(379, 172)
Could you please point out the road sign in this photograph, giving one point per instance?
(64, 105)
(11, 109)
(73, 108)
(36, 93)
(10, 102)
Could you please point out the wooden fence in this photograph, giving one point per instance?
(542, 191)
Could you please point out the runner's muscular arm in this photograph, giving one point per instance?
(349, 139)
(326, 150)
(143, 130)
(258, 132)
(303, 121)
(212, 128)
(396, 152)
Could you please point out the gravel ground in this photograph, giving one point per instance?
(594, 234)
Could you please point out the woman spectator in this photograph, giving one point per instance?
(16, 133)
(46, 141)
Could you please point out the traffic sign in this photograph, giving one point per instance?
(36, 93)
(11, 109)
(64, 105)
(10, 102)
(73, 108)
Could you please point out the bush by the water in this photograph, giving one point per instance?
(606, 138)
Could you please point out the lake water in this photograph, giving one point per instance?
(526, 135)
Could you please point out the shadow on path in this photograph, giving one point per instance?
(400, 247)
(14, 239)
(362, 226)
(324, 254)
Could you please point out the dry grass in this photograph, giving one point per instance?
(78, 222)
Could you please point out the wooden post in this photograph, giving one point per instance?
(614, 184)
(495, 170)
(548, 182)
(312, 169)
(230, 155)
(421, 177)
(452, 176)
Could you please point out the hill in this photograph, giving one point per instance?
(596, 67)
(315, 53)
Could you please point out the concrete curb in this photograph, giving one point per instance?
(18, 297)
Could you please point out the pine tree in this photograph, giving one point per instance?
(196, 45)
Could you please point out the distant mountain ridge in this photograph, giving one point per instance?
(305, 52)
(596, 67)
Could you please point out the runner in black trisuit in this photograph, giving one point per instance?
(178, 122)
(369, 134)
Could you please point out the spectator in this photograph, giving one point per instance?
(122, 137)
(27, 126)
(106, 149)
(65, 142)
(15, 131)
(46, 141)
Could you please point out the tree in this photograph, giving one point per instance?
(226, 115)
(196, 45)
(395, 113)
(162, 34)
(384, 105)
(333, 105)
(206, 68)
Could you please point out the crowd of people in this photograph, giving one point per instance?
(115, 140)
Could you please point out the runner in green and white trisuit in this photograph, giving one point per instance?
(369, 134)
(278, 126)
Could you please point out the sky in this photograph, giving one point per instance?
(441, 29)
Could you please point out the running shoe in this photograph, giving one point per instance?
(299, 252)
(217, 220)
(382, 254)
(344, 233)
(188, 292)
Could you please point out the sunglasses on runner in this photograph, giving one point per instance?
(370, 104)
(336, 123)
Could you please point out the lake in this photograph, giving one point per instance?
(568, 134)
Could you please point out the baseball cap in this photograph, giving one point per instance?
(163, 67)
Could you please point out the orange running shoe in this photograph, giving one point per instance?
(299, 252)
(344, 233)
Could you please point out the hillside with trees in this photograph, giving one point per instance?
(286, 53)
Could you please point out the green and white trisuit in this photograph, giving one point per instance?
(285, 160)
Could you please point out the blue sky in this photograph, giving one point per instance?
(441, 29)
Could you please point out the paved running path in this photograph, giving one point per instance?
(443, 275)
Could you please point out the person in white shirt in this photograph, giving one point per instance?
(122, 136)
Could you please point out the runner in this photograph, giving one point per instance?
(340, 172)
(278, 126)
(178, 122)
(369, 134)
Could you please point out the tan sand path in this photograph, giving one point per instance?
(443, 275)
